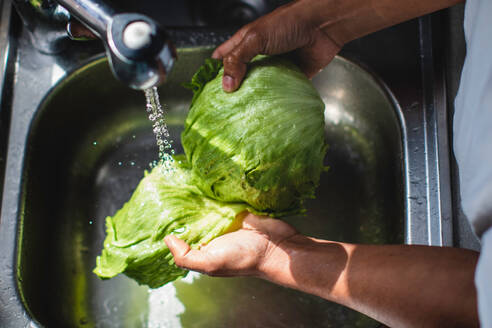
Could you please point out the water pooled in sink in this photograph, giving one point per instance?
(159, 127)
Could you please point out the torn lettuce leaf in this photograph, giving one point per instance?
(165, 202)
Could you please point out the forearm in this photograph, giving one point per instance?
(398, 285)
(346, 20)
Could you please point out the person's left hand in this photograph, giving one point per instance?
(244, 252)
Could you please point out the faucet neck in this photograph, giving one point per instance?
(94, 14)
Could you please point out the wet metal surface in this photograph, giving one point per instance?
(90, 142)
(76, 152)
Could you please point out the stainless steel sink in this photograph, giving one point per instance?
(79, 142)
(89, 144)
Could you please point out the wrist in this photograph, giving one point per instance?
(311, 265)
(332, 18)
(276, 262)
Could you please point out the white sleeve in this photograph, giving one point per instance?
(473, 142)
(483, 280)
(473, 117)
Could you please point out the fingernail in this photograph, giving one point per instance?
(228, 83)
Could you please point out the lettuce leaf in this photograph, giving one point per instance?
(165, 202)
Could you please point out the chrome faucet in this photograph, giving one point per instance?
(139, 52)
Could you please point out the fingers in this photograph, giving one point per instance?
(185, 257)
(236, 60)
(236, 53)
(230, 83)
(230, 44)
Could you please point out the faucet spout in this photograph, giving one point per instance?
(139, 51)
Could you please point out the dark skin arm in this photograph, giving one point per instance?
(399, 285)
(315, 30)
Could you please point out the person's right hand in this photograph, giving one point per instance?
(245, 252)
(290, 27)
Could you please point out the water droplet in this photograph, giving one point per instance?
(94, 143)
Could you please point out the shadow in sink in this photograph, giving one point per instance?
(89, 145)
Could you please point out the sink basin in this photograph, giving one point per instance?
(88, 146)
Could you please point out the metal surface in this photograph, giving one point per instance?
(46, 24)
(438, 191)
(5, 9)
(6, 68)
(65, 145)
(90, 141)
(96, 15)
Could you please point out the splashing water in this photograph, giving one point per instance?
(156, 116)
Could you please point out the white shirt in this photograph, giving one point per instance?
(473, 142)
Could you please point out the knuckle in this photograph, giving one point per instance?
(244, 30)
(231, 60)
(254, 37)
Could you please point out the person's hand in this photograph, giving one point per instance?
(290, 27)
(241, 253)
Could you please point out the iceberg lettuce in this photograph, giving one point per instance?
(262, 144)
(260, 148)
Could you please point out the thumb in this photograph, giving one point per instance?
(185, 257)
(235, 62)
(177, 247)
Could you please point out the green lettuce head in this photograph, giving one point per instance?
(262, 144)
(260, 149)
